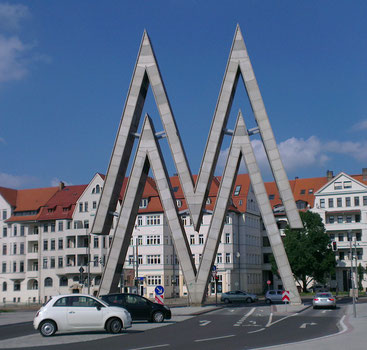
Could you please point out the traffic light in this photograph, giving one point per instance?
(335, 248)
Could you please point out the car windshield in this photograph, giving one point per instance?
(323, 295)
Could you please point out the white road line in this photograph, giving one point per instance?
(204, 323)
(270, 319)
(258, 330)
(240, 321)
(216, 338)
(282, 319)
(151, 347)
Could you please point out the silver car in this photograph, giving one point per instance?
(238, 296)
(273, 296)
(325, 299)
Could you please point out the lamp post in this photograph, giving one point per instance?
(351, 272)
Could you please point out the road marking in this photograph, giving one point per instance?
(282, 319)
(223, 337)
(151, 347)
(304, 325)
(240, 321)
(270, 319)
(324, 311)
(204, 323)
(231, 310)
(258, 330)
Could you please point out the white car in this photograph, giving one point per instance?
(79, 312)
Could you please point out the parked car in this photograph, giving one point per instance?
(139, 307)
(79, 312)
(238, 296)
(325, 299)
(273, 296)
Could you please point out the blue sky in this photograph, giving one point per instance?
(65, 69)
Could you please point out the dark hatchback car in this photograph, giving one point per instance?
(139, 307)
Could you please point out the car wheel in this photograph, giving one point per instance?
(114, 326)
(268, 301)
(47, 328)
(226, 300)
(248, 300)
(158, 317)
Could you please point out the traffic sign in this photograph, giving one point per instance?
(214, 268)
(268, 282)
(81, 270)
(159, 299)
(285, 296)
(159, 290)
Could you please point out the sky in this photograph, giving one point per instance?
(66, 66)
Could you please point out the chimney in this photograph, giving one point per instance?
(364, 174)
(296, 178)
(329, 175)
(61, 185)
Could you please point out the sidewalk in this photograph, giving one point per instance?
(352, 334)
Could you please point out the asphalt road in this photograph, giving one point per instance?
(233, 327)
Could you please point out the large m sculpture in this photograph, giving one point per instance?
(149, 156)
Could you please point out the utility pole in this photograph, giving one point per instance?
(351, 273)
(88, 267)
(137, 265)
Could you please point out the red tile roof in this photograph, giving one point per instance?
(9, 195)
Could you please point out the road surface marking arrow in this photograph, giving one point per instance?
(304, 325)
(204, 323)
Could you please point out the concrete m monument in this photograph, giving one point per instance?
(149, 156)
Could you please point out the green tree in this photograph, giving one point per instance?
(309, 251)
(360, 272)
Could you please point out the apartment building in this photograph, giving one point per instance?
(48, 249)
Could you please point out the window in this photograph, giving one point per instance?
(322, 203)
(94, 205)
(193, 258)
(68, 225)
(310, 191)
(192, 239)
(153, 240)
(228, 258)
(52, 262)
(331, 202)
(53, 227)
(153, 220)
(228, 219)
(140, 259)
(303, 192)
(332, 236)
(52, 245)
(16, 286)
(86, 223)
(358, 218)
(21, 248)
(341, 255)
(95, 242)
(85, 206)
(45, 228)
(347, 184)
(154, 280)
(143, 203)
(131, 259)
(356, 201)
(219, 258)
(5, 215)
(228, 238)
(340, 237)
(48, 282)
(271, 196)
(5, 286)
(61, 244)
(348, 218)
(60, 261)
(45, 260)
(21, 266)
(237, 190)
(347, 201)
(364, 200)
(14, 266)
(338, 185)
(3, 270)
(45, 244)
(80, 207)
(61, 226)
(153, 259)
(179, 203)
(22, 230)
(5, 231)
(14, 248)
(358, 236)
(140, 240)
(340, 219)
(15, 230)
(4, 249)
(98, 189)
(63, 282)
(140, 220)
(201, 239)
(266, 242)
(331, 219)
(338, 202)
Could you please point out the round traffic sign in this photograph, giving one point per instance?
(159, 290)
(268, 282)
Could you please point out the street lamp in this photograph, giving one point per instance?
(351, 273)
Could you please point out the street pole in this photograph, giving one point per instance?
(351, 273)
(137, 266)
(88, 267)
(355, 265)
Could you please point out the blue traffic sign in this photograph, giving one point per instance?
(159, 290)
(214, 268)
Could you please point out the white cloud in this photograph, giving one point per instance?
(11, 15)
(12, 63)
(356, 150)
(56, 181)
(16, 181)
(360, 126)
